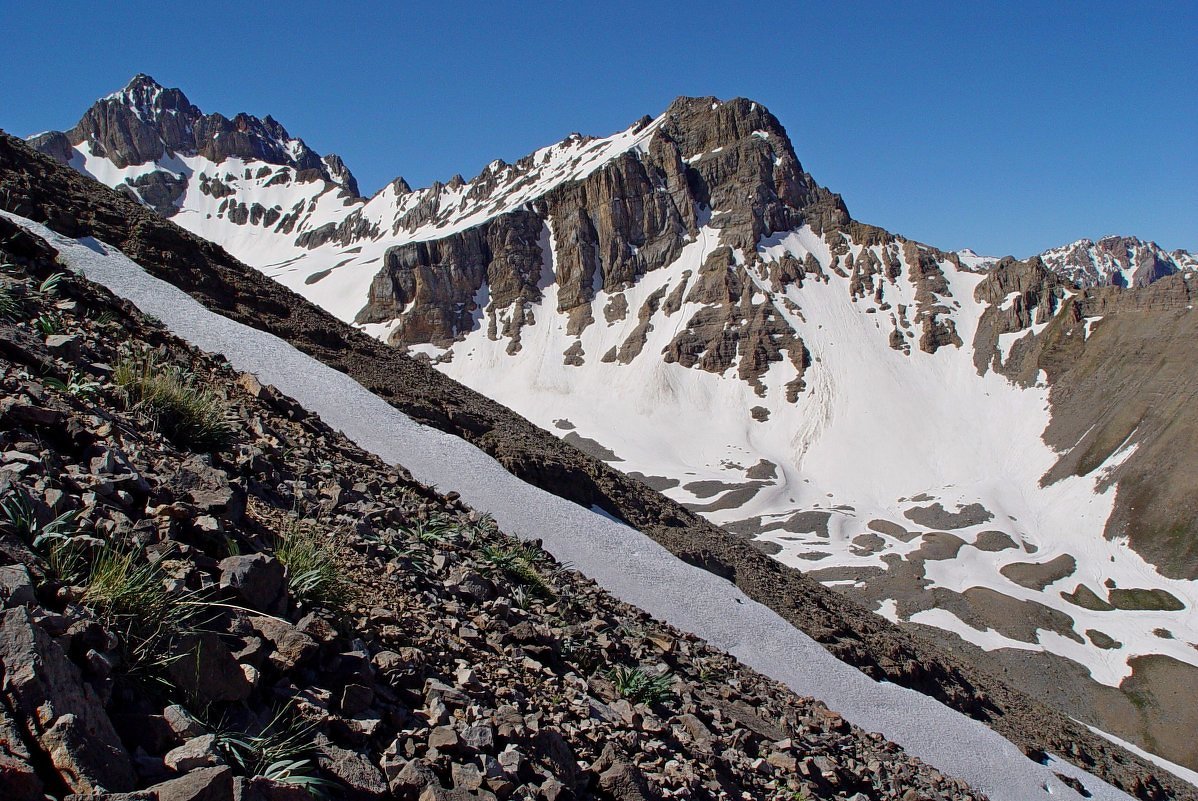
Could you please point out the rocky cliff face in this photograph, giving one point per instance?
(727, 166)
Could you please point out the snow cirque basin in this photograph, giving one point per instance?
(621, 559)
(909, 480)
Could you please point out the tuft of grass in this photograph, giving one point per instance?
(130, 596)
(313, 573)
(47, 324)
(121, 584)
(283, 751)
(167, 395)
(640, 687)
(11, 307)
(518, 562)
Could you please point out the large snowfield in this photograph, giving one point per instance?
(622, 560)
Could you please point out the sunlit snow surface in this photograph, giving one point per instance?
(621, 559)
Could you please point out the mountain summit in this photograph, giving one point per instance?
(147, 124)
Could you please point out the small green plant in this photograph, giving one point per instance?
(19, 516)
(50, 287)
(430, 532)
(75, 384)
(640, 687)
(168, 397)
(47, 324)
(521, 598)
(518, 561)
(313, 574)
(282, 751)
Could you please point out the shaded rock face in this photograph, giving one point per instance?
(1017, 294)
(1103, 398)
(146, 122)
(63, 713)
(436, 283)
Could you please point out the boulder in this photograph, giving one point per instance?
(206, 670)
(353, 770)
(198, 752)
(291, 646)
(60, 712)
(16, 586)
(205, 784)
(258, 580)
(18, 780)
(208, 489)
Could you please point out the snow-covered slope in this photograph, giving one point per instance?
(682, 300)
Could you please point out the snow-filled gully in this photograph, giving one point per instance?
(625, 562)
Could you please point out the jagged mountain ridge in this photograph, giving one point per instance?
(151, 139)
(651, 264)
(1124, 261)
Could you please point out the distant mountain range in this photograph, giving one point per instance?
(999, 451)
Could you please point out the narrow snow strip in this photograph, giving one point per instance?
(1179, 771)
(625, 562)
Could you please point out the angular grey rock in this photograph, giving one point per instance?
(354, 770)
(291, 646)
(18, 780)
(182, 722)
(62, 713)
(623, 782)
(205, 784)
(258, 580)
(208, 488)
(198, 752)
(16, 586)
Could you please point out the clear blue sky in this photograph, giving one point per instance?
(1008, 128)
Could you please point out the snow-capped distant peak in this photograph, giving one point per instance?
(1116, 260)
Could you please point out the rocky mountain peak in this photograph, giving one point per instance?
(145, 122)
(1116, 260)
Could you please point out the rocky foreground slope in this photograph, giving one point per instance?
(37, 188)
(209, 594)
